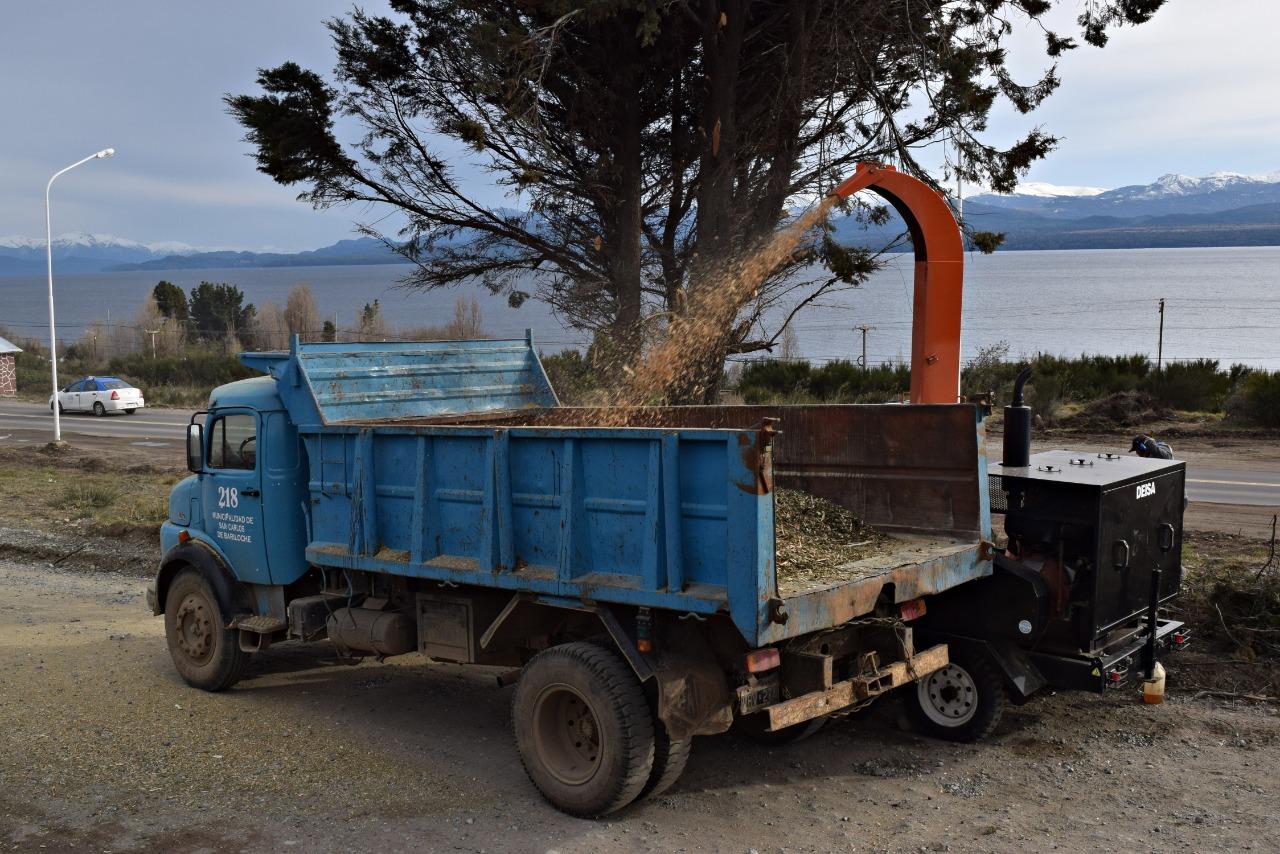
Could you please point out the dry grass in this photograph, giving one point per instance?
(50, 495)
(1231, 595)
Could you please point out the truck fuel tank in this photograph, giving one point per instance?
(371, 629)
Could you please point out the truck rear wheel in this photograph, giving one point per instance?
(963, 701)
(583, 729)
(669, 759)
(205, 652)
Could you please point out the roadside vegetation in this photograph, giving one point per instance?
(179, 346)
(71, 491)
(1231, 597)
(1084, 392)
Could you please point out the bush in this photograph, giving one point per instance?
(1260, 398)
(1054, 379)
(774, 381)
(200, 368)
(572, 375)
(1197, 385)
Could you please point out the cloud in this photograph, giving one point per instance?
(194, 191)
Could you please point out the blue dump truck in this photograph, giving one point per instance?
(434, 497)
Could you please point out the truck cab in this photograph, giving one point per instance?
(244, 504)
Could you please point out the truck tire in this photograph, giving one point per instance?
(583, 729)
(669, 759)
(963, 701)
(205, 652)
(752, 728)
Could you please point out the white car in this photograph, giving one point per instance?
(99, 395)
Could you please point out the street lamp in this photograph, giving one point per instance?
(48, 233)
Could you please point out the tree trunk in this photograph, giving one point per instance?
(622, 243)
(724, 22)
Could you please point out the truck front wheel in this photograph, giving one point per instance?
(963, 701)
(583, 729)
(205, 652)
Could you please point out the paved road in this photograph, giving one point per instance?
(1232, 486)
(166, 427)
(25, 421)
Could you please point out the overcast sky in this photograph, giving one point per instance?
(1191, 92)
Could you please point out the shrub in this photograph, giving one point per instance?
(1260, 398)
(202, 368)
(1197, 385)
(774, 381)
(572, 375)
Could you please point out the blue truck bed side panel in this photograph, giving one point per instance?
(625, 515)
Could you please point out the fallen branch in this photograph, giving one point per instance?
(1223, 621)
(70, 554)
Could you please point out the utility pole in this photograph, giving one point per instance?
(864, 329)
(1160, 342)
(153, 333)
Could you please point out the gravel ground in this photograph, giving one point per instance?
(102, 748)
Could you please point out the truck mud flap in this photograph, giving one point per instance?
(851, 692)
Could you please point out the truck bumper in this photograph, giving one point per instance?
(852, 692)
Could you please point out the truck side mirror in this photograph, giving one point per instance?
(195, 448)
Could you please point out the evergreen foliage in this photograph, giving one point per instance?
(171, 301)
(647, 144)
(218, 311)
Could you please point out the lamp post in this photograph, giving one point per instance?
(53, 336)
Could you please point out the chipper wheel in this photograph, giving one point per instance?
(961, 702)
(584, 729)
(205, 652)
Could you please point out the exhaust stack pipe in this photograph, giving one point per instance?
(1017, 426)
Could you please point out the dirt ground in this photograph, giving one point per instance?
(104, 749)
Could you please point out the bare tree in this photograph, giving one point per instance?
(271, 328)
(300, 313)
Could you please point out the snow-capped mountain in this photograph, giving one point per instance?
(81, 252)
(1043, 190)
(1169, 194)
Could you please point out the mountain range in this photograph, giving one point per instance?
(1222, 209)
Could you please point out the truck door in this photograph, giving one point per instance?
(232, 493)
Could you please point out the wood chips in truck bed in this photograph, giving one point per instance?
(815, 540)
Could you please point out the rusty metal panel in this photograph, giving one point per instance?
(842, 695)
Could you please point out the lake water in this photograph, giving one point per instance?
(1219, 303)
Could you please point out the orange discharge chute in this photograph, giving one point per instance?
(939, 285)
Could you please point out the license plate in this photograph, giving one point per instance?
(753, 698)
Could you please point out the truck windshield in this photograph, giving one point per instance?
(232, 442)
